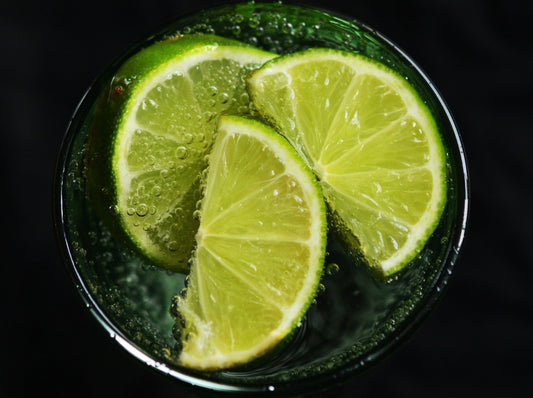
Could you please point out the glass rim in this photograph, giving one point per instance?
(322, 380)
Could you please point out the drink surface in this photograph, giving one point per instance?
(355, 316)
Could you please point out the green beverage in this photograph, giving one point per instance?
(355, 318)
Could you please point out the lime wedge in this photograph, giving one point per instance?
(370, 140)
(168, 98)
(260, 248)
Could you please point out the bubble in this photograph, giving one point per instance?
(332, 269)
(182, 152)
(224, 98)
(156, 190)
(212, 91)
(196, 214)
(173, 245)
(130, 211)
(287, 28)
(243, 109)
(141, 210)
(244, 98)
(164, 173)
(167, 353)
(208, 116)
(236, 30)
(188, 138)
(321, 288)
(253, 22)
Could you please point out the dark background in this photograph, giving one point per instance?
(477, 342)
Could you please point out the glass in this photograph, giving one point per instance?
(356, 319)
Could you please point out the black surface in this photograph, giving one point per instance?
(477, 342)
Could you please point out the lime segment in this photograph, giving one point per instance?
(172, 94)
(260, 248)
(371, 141)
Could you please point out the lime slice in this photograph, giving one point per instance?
(260, 248)
(371, 141)
(169, 97)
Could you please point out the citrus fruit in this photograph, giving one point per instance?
(370, 140)
(167, 99)
(260, 248)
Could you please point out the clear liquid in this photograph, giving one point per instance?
(354, 315)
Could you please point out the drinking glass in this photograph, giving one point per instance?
(355, 321)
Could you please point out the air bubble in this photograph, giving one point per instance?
(156, 190)
(287, 28)
(224, 98)
(182, 152)
(198, 204)
(188, 138)
(142, 210)
(253, 22)
(236, 30)
(332, 269)
(321, 288)
(244, 98)
(212, 91)
(208, 116)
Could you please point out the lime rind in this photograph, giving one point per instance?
(268, 292)
(312, 110)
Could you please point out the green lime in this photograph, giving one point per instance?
(370, 140)
(165, 102)
(260, 248)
